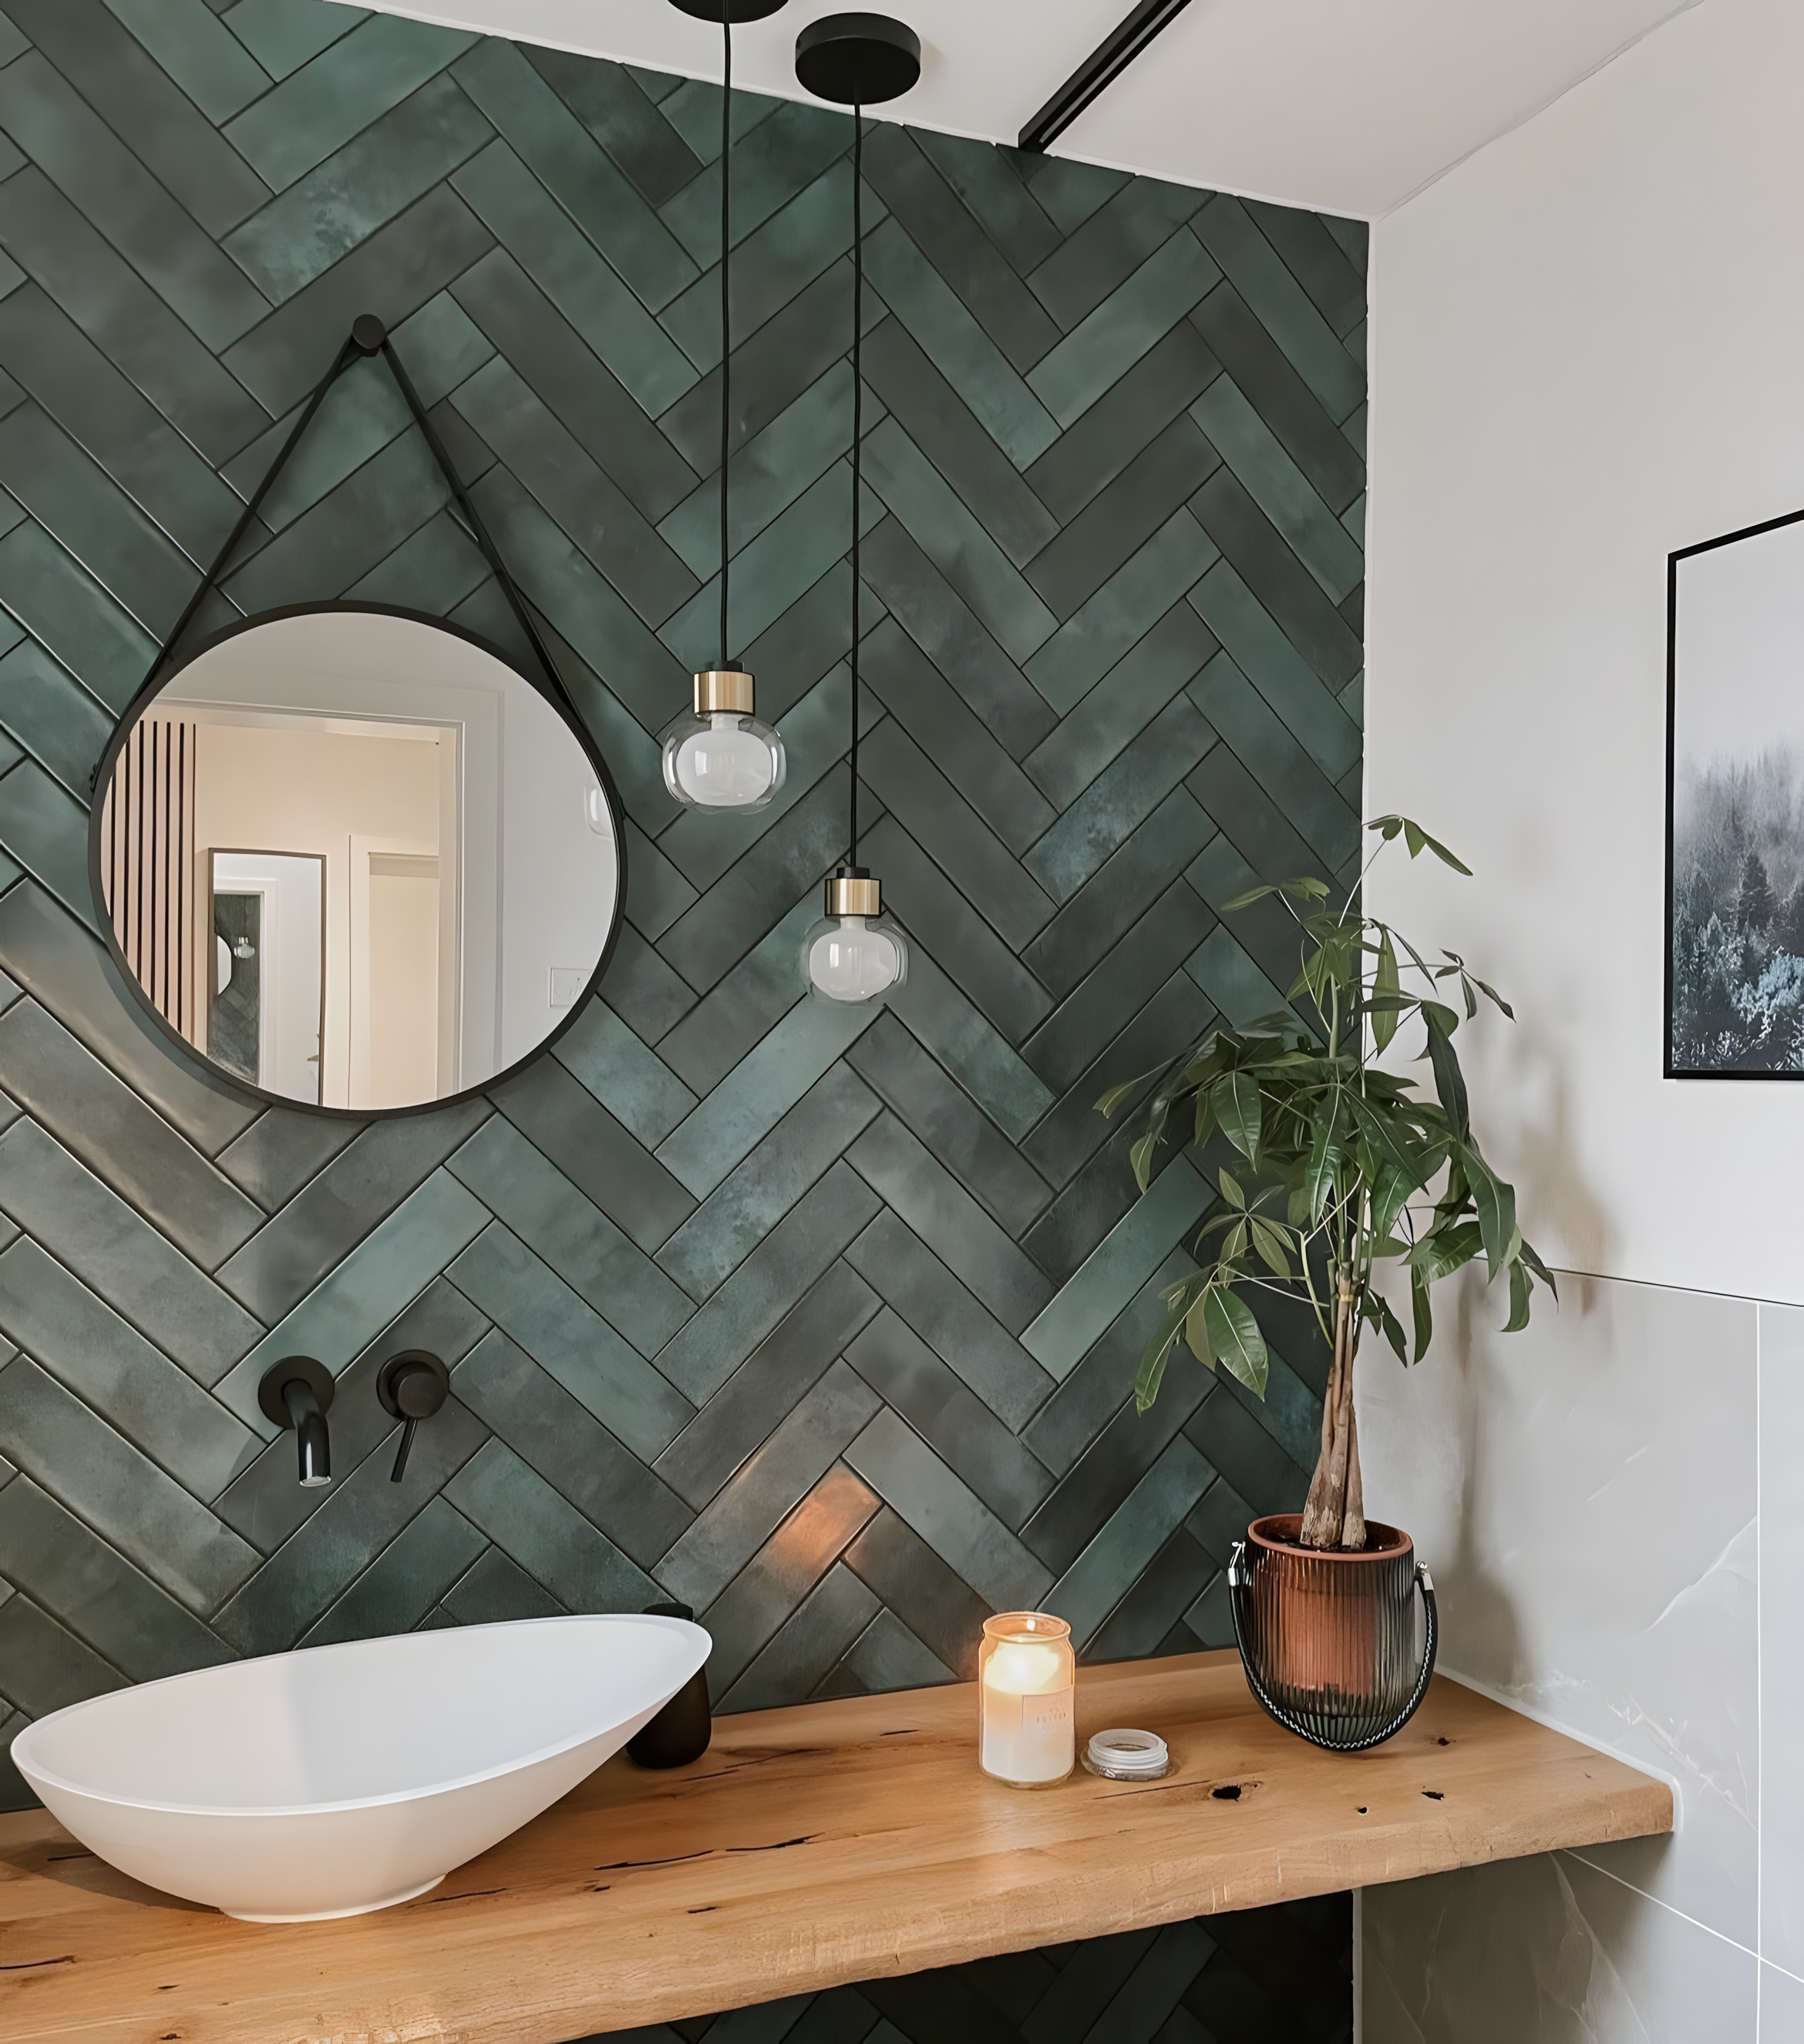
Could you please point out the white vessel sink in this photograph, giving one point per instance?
(339, 1779)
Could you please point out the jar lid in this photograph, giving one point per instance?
(1125, 1755)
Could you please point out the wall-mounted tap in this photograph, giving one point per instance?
(297, 1391)
(411, 1386)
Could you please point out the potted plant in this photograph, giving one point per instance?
(1331, 1165)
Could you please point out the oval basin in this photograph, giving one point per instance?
(338, 1779)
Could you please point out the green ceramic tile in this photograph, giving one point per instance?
(783, 150)
(575, 1238)
(990, 183)
(963, 255)
(131, 439)
(579, 175)
(565, 1335)
(197, 50)
(570, 380)
(116, 1373)
(107, 299)
(151, 117)
(46, 831)
(357, 189)
(50, 1555)
(282, 35)
(614, 103)
(352, 83)
(1281, 306)
(1105, 344)
(406, 1578)
(1086, 266)
(1285, 589)
(108, 1483)
(1221, 967)
(391, 273)
(1262, 652)
(59, 962)
(58, 722)
(547, 1536)
(1294, 784)
(47, 1667)
(525, 218)
(81, 507)
(103, 179)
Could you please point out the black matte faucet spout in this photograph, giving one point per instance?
(310, 1435)
(297, 1392)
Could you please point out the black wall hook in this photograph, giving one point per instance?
(413, 1385)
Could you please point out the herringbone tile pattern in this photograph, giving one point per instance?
(1278, 1975)
(823, 1322)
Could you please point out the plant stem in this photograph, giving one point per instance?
(1334, 1515)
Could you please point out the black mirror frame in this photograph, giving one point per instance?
(166, 676)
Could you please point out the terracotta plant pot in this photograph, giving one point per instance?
(1328, 1636)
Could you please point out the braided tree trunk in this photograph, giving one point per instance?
(1334, 1515)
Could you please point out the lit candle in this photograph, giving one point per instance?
(1026, 1676)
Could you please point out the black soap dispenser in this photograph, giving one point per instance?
(681, 1731)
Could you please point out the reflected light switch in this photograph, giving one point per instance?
(567, 983)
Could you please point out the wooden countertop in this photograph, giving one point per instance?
(830, 1843)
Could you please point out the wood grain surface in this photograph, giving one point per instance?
(824, 1843)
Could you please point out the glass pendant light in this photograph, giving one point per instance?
(722, 757)
(856, 953)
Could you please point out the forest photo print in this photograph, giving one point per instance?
(1735, 823)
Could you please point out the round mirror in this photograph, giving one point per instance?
(355, 859)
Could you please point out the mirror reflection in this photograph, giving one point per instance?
(355, 859)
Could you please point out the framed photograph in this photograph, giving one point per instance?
(1735, 805)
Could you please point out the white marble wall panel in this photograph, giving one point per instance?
(1781, 2006)
(1782, 1645)
(1550, 1950)
(1585, 1492)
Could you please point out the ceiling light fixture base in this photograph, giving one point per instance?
(857, 60)
(734, 11)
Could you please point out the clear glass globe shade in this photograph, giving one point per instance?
(851, 959)
(723, 762)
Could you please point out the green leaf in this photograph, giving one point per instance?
(1520, 1285)
(1231, 1187)
(1423, 1315)
(1417, 839)
(1235, 1098)
(1495, 1204)
(1393, 1328)
(1196, 1332)
(1326, 1155)
(1270, 1245)
(1235, 1247)
(1389, 988)
(1492, 991)
(1448, 1082)
(1153, 1362)
(1234, 1334)
(1443, 1250)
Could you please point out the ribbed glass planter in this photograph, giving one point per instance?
(1329, 1637)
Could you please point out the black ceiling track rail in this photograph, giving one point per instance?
(368, 337)
(1098, 71)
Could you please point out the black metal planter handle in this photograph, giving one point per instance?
(1239, 1591)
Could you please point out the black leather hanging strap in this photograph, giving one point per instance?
(369, 337)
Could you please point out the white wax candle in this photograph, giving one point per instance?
(1029, 1725)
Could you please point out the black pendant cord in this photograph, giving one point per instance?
(857, 425)
(726, 306)
(368, 337)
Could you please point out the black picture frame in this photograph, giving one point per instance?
(1671, 1068)
(165, 676)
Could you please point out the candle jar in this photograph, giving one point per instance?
(1026, 1679)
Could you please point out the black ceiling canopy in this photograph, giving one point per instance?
(1098, 71)
(734, 11)
(857, 60)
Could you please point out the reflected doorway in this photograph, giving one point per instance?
(266, 1019)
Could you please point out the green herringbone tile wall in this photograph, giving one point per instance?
(823, 1322)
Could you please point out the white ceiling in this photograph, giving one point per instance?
(1347, 106)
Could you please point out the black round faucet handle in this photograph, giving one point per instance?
(413, 1384)
(419, 1390)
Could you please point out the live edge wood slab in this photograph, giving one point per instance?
(830, 1843)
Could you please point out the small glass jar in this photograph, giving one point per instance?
(1026, 1685)
(722, 757)
(856, 953)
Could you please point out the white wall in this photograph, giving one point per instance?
(1589, 350)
